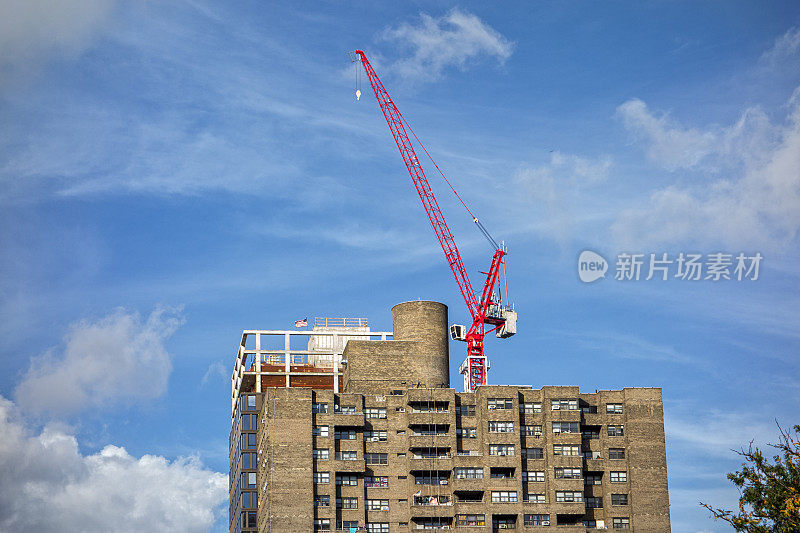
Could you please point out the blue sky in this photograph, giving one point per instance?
(172, 173)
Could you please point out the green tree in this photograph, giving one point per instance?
(769, 491)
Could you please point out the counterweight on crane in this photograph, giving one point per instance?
(489, 309)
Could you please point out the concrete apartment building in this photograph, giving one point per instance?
(360, 431)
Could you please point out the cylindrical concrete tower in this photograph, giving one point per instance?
(426, 323)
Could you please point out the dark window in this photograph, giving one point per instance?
(619, 499)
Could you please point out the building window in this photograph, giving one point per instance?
(590, 524)
(564, 405)
(378, 527)
(533, 476)
(319, 431)
(504, 522)
(376, 481)
(467, 433)
(565, 449)
(594, 503)
(588, 454)
(377, 505)
(249, 422)
(375, 412)
(619, 499)
(568, 473)
(621, 522)
(619, 477)
(616, 453)
(428, 479)
(322, 477)
(534, 498)
(593, 479)
(347, 524)
(504, 496)
(344, 409)
(248, 480)
(429, 407)
(496, 426)
(590, 432)
(614, 408)
(531, 431)
(566, 427)
(375, 435)
(501, 472)
(321, 454)
(249, 460)
(533, 453)
(347, 503)
(248, 441)
(591, 409)
(616, 431)
(248, 403)
(501, 449)
(322, 500)
(249, 500)
(465, 410)
(568, 496)
(500, 403)
(319, 408)
(322, 524)
(431, 500)
(469, 473)
(530, 407)
(347, 456)
(376, 458)
(344, 434)
(249, 519)
(476, 520)
(346, 480)
(537, 519)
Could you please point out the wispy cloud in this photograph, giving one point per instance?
(117, 359)
(33, 30)
(215, 372)
(561, 186)
(784, 47)
(455, 39)
(628, 346)
(757, 204)
(48, 485)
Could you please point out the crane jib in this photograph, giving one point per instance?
(483, 311)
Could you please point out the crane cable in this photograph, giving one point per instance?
(474, 218)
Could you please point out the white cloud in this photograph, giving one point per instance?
(215, 372)
(115, 360)
(33, 29)
(47, 485)
(748, 191)
(670, 145)
(784, 47)
(453, 39)
(717, 433)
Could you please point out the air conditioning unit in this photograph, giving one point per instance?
(545, 522)
(458, 332)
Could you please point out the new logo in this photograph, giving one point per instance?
(591, 266)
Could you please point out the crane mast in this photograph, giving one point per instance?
(487, 309)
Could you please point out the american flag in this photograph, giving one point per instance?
(301, 323)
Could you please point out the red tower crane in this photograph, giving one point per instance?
(489, 309)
